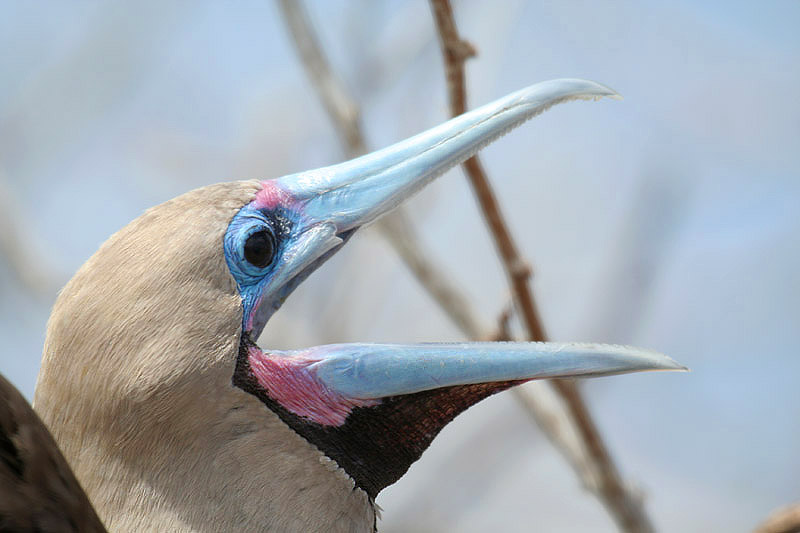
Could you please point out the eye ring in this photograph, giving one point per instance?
(259, 248)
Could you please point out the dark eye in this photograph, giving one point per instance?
(259, 249)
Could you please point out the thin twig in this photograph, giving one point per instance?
(456, 52)
(400, 232)
(343, 110)
(30, 269)
(547, 409)
(626, 508)
(345, 115)
(784, 520)
(503, 332)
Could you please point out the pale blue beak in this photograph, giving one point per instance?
(372, 371)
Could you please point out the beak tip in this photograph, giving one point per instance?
(601, 90)
(604, 91)
(666, 363)
(567, 89)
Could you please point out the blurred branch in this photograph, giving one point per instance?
(398, 230)
(342, 109)
(625, 507)
(784, 520)
(16, 249)
(546, 408)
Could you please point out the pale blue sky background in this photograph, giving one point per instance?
(668, 220)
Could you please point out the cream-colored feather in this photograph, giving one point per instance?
(135, 385)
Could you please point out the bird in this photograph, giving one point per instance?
(173, 418)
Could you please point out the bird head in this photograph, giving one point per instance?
(151, 369)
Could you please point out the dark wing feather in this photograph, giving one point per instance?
(38, 491)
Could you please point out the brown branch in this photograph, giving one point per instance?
(456, 52)
(626, 509)
(345, 115)
(784, 520)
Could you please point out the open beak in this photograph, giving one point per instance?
(334, 201)
(374, 408)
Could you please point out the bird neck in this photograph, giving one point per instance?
(246, 472)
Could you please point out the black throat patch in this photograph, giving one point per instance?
(375, 445)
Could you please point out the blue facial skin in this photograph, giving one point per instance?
(250, 279)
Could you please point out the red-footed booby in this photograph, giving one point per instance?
(173, 419)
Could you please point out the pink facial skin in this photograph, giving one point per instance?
(291, 382)
(272, 195)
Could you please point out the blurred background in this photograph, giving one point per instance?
(669, 220)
